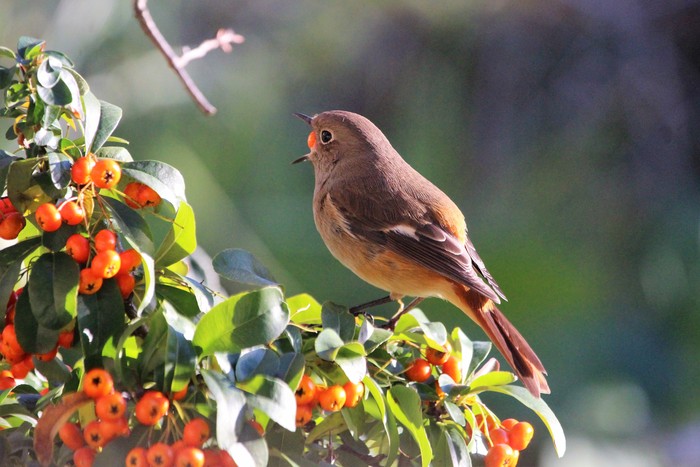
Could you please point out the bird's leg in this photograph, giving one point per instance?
(403, 310)
(360, 309)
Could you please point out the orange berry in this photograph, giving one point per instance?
(105, 239)
(110, 406)
(333, 398)
(84, 457)
(354, 393)
(78, 247)
(97, 383)
(126, 284)
(48, 356)
(89, 282)
(147, 197)
(65, 339)
(11, 225)
(508, 423)
(419, 371)
(106, 264)
(181, 394)
(130, 260)
(498, 436)
(110, 429)
(80, 171)
(71, 435)
(152, 406)
(304, 414)
(189, 456)
(311, 140)
(106, 173)
(438, 357)
(48, 217)
(137, 457)
(500, 455)
(160, 455)
(520, 435)
(71, 213)
(93, 435)
(196, 432)
(306, 391)
(131, 195)
(453, 368)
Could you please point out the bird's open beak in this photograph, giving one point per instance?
(306, 118)
(303, 158)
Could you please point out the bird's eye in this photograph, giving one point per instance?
(326, 136)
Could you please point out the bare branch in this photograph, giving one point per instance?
(223, 40)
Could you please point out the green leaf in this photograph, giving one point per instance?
(131, 225)
(257, 361)
(480, 351)
(109, 118)
(29, 47)
(434, 332)
(92, 118)
(32, 337)
(492, 378)
(59, 94)
(24, 192)
(59, 168)
(8, 53)
(339, 319)
(6, 75)
(181, 239)
(10, 264)
(274, 397)
(332, 424)
(405, 404)
(49, 72)
(100, 318)
(244, 320)
(179, 362)
(372, 338)
(351, 359)
(463, 346)
(385, 416)
(165, 179)
(233, 433)
(54, 370)
(242, 267)
(114, 152)
(451, 449)
(304, 309)
(455, 413)
(349, 356)
(53, 290)
(181, 298)
(291, 368)
(541, 408)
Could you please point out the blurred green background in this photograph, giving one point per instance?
(567, 131)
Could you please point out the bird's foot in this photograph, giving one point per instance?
(360, 309)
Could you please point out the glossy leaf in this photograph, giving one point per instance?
(100, 317)
(181, 239)
(405, 404)
(304, 309)
(273, 396)
(339, 319)
(92, 118)
(10, 263)
(33, 337)
(241, 266)
(109, 117)
(244, 320)
(53, 289)
(451, 448)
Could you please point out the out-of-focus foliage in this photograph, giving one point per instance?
(566, 132)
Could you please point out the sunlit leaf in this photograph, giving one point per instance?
(244, 320)
(241, 266)
(405, 404)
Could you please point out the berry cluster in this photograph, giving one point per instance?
(20, 361)
(111, 421)
(308, 395)
(421, 369)
(506, 439)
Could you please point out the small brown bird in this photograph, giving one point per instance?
(399, 232)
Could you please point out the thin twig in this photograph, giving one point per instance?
(223, 40)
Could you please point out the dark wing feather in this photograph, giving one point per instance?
(436, 249)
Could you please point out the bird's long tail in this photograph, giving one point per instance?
(505, 337)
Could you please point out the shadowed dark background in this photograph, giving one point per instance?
(567, 131)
